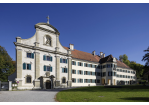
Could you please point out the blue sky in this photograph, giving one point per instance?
(110, 28)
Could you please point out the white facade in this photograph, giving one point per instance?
(46, 42)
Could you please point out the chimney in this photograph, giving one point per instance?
(93, 53)
(101, 54)
(71, 46)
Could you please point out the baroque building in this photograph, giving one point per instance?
(43, 63)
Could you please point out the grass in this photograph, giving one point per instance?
(102, 94)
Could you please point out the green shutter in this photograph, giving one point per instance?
(44, 68)
(24, 65)
(29, 66)
(75, 63)
(75, 71)
(84, 72)
(81, 64)
(78, 71)
(51, 58)
(84, 81)
(93, 66)
(32, 55)
(78, 63)
(44, 57)
(50, 69)
(62, 70)
(60, 60)
(84, 64)
(75, 80)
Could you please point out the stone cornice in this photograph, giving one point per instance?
(40, 49)
(57, 33)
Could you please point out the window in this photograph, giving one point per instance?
(73, 63)
(85, 72)
(47, 58)
(117, 75)
(63, 60)
(120, 70)
(26, 66)
(73, 80)
(80, 72)
(104, 66)
(128, 76)
(85, 65)
(80, 64)
(85, 81)
(97, 81)
(80, 80)
(47, 68)
(108, 65)
(30, 55)
(91, 65)
(64, 70)
(123, 76)
(117, 69)
(104, 74)
(28, 79)
(131, 77)
(123, 70)
(120, 76)
(109, 73)
(90, 73)
(128, 71)
(73, 71)
(98, 73)
(63, 80)
(95, 66)
(99, 67)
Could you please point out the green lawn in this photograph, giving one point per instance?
(102, 94)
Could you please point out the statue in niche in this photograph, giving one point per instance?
(48, 40)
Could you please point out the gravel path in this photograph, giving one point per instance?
(29, 95)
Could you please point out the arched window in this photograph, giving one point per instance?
(48, 40)
(63, 80)
(28, 79)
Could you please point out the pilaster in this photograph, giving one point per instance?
(37, 35)
(37, 65)
(19, 62)
(57, 71)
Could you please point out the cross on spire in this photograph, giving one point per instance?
(48, 19)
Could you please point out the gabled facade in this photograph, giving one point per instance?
(43, 63)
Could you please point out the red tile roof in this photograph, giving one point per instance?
(89, 57)
(121, 64)
(83, 55)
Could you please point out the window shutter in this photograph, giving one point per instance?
(24, 65)
(44, 57)
(60, 60)
(93, 66)
(84, 72)
(75, 63)
(78, 63)
(75, 71)
(50, 58)
(81, 64)
(62, 70)
(78, 80)
(84, 81)
(75, 80)
(51, 69)
(78, 71)
(29, 66)
(66, 60)
(88, 80)
(88, 73)
(32, 55)
(44, 68)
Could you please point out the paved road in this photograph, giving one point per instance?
(29, 95)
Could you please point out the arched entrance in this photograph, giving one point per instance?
(48, 84)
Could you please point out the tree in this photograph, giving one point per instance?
(146, 57)
(125, 59)
(6, 64)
